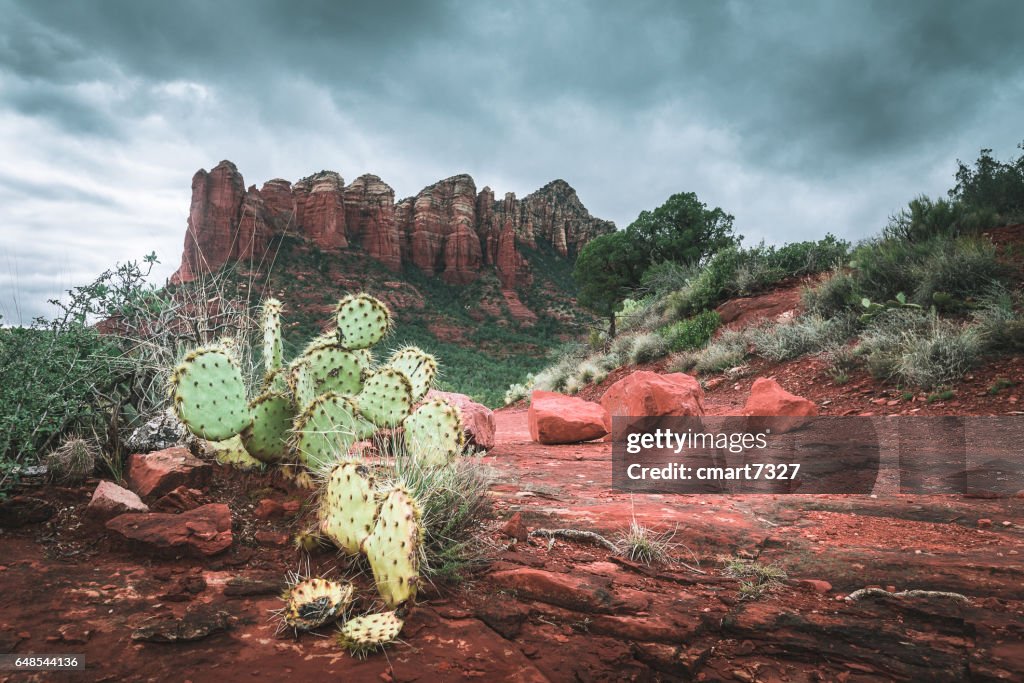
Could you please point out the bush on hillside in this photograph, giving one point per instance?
(805, 334)
(692, 333)
(832, 296)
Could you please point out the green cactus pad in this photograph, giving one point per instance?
(270, 321)
(301, 382)
(370, 632)
(233, 452)
(326, 430)
(275, 381)
(362, 321)
(209, 394)
(266, 437)
(332, 367)
(314, 602)
(393, 549)
(433, 433)
(420, 367)
(347, 506)
(386, 397)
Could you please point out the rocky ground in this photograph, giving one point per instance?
(538, 610)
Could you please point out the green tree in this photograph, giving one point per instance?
(683, 230)
(606, 271)
(992, 184)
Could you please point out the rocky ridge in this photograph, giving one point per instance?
(449, 229)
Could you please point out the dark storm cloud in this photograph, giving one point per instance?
(798, 117)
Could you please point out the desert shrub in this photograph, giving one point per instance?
(554, 377)
(836, 294)
(805, 334)
(992, 185)
(960, 269)
(729, 350)
(944, 354)
(519, 391)
(637, 314)
(692, 333)
(884, 268)
(998, 322)
(923, 219)
(72, 462)
(647, 348)
(806, 258)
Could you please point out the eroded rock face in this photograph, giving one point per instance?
(556, 418)
(448, 229)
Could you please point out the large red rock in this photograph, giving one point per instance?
(370, 219)
(157, 474)
(477, 419)
(768, 399)
(556, 418)
(212, 221)
(203, 531)
(649, 394)
(110, 500)
(320, 209)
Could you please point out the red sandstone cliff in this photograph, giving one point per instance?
(448, 229)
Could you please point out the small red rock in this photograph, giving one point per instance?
(984, 523)
(817, 585)
(515, 528)
(268, 509)
(203, 531)
(110, 500)
(273, 538)
(769, 399)
(157, 474)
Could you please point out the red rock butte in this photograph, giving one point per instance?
(448, 229)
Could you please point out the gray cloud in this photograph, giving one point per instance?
(796, 117)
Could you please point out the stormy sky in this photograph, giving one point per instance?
(797, 117)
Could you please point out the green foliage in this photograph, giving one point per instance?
(924, 219)
(833, 295)
(873, 309)
(606, 270)
(647, 348)
(683, 230)
(692, 333)
(805, 334)
(992, 185)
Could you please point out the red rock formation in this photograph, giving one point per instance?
(555, 418)
(769, 400)
(212, 220)
(370, 219)
(320, 209)
(446, 229)
(646, 393)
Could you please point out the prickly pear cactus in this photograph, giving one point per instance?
(233, 452)
(311, 603)
(433, 433)
(266, 437)
(386, 397)
(393, 549)
(362, 321)
(347, 506)
(209, 394)
(418, 366)
(326, 430)
(370, 632)
(270, 321)
(332, 367)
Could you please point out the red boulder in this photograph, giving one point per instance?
(649, 394)
(157, 474)
(556, 418)
(477, 419)
(110, 500)
(203, 531)
(769, 399)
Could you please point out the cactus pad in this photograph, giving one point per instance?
(420, 367)
(209, 394)
(386, 397)
(362, 321)
(270, 320)
(314, 602)
(365, 634)
(393, 549)
(347, 506)
(266, 437)
(433, 433)
(326, 430)
(301, 382)
(232, 452)
(331, 367)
